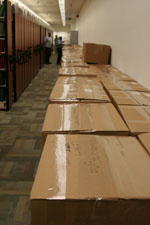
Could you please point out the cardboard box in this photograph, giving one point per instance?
(109, 85)
(131, 86)
(92, 180)
(74, 64)
(83, 118)
(77, 80)
(104, 68)
(95, 53)
(100, 73)
(114, 74)
(145, 141)
(117, 75)
(78, 93)
(76, 58)
(137, 118)
(121, 77)
(143, 98)
(76, 71)
(122, 98)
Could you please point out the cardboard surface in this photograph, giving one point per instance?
(74, 64)
(131, 86)
(121, 76)
(137, 118)
(95, 53)
(77, 80)
(145, 140)
(142, 98)
(122, 98)
(78, 93)
(72, 59)
(104, 68)
(81, 179)
(114, 73)
(83, 118)
(76, 71)
(109, 85)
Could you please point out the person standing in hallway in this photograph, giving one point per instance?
(56, 43)
(59, 50)
(48, 48)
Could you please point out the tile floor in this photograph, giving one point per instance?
(20, 146)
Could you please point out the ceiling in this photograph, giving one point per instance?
(49, 10)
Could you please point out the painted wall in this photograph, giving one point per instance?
(125, 26)
(65, 35)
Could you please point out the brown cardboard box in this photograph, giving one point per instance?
(72, 58)
(137, 118)
(143, 98)
(100, 73)
(76, 71)
(83, 118)
(145, 141)
(117, 75)
(109, 85)
(92, 180)
(122, 98)
(114, 74)
(131, 86)
(95, 53)
(78, 93)
(121, 77)
(77, 80)
(74, 64)
(104, 68)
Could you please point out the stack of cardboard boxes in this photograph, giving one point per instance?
(130, 98)
(95, 160)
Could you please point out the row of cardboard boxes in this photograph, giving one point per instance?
(95, 160)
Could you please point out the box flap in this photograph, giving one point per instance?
(109, 85)
(74, 64)
(122, 98)
(131, 86)
(92, 167)
(78, 92)
(84, 118)
(76, 71)
(143, 98)
(145, 140)
(137, 118)
(77, 80)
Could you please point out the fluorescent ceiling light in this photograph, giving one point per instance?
(62, 11)
(24, 7)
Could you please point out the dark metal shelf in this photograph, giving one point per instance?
(2, 53)
(2, 19)
(2, 69)
(2, 37)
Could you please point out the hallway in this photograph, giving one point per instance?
(20, 146)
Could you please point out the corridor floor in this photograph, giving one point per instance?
(20, 146)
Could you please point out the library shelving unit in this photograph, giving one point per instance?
(28, 50)
(21, 52)
(6, 83)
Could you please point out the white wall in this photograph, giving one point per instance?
(123, 24)
(65, 35)
(73, 24)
